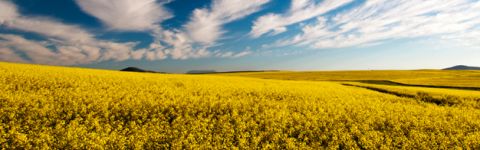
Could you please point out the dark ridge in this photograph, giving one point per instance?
(246, 71)
(135, 69)
(462, 67)
(201, 71)
(214, 72)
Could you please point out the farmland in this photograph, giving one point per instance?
(75, 108)
(450, 78)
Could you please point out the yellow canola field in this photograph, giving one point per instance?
(452, 78)
(471, 94)
(441, 96)
(71, 108)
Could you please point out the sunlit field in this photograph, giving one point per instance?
(453, 78)
(73, 108)
(440, 96)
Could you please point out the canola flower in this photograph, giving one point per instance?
(44, 107)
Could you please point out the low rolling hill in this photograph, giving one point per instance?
(462, 67)
(135, 69)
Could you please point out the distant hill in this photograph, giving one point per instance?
(462, 67)
(215, 72)
(201, 71)
(135, 69)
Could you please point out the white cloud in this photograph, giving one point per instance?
(299, 11)
(379, 20)
(33, 50)
(205, 24)
(6, 54)
(8, 11)
(64, 45)
(203, 27)
(231, 54)
(242, 53)
(181, 46)
(469, 38)
(49, 27)
(64, 53)
(202, 31)
(128, 15)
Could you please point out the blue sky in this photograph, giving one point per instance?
(226, 35)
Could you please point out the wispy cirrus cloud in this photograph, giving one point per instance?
(231, 54)
(203, 29)
(127, 15)
(300, 10)
(468, 38)
(378, 20)
(205, 25)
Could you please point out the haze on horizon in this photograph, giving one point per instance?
(226, 35)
